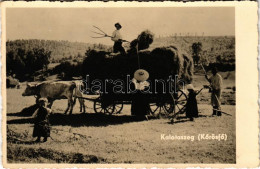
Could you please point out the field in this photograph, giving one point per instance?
(99, 138)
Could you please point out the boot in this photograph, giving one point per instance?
(214, 112)
(219, 113)
(38, 139)
(45, 139)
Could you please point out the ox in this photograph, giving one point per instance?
(54, 91)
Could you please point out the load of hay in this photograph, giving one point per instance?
(160, 62)
(143, 40)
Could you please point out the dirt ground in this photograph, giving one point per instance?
(99, 138)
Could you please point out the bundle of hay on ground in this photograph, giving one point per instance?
(160, 62)
(12, 82)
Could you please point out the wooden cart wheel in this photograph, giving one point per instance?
(100, 107)
(119, 108)
(180, 101)
(110, 109)
(163, 106)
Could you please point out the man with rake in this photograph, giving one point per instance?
(216, 86)
(117, 38)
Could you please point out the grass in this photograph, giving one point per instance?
(140, 142)
(99, 138)
(20, 154)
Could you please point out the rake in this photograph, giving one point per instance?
(103, 34)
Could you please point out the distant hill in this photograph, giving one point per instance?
(59, 49)
(24, 56)
(215, 49)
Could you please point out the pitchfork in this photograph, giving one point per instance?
(103, 34)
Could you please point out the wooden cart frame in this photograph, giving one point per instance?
(161, 105)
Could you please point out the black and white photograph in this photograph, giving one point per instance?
(121, 85)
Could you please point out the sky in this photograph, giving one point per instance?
(76, 24)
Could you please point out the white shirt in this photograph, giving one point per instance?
(216, 82)
(140, 85)
(116, 35)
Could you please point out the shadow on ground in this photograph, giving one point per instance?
(77, 120)
(28, 111)
(87, 119)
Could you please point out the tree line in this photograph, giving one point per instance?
(23, 63)
(28, 58)
(59, 49)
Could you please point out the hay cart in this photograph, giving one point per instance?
(167, 105)
(160, 62)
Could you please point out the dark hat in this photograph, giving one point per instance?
(118, 24)
(141, 75)
(214, 68)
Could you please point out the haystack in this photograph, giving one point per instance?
(167, 61)
(160, 62)
(143, 40)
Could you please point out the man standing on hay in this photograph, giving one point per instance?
(117, 38)
(216, 86)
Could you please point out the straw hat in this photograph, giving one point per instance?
(141, 75)
(190, 87)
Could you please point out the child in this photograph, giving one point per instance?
(192, 106)
(41, 124)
